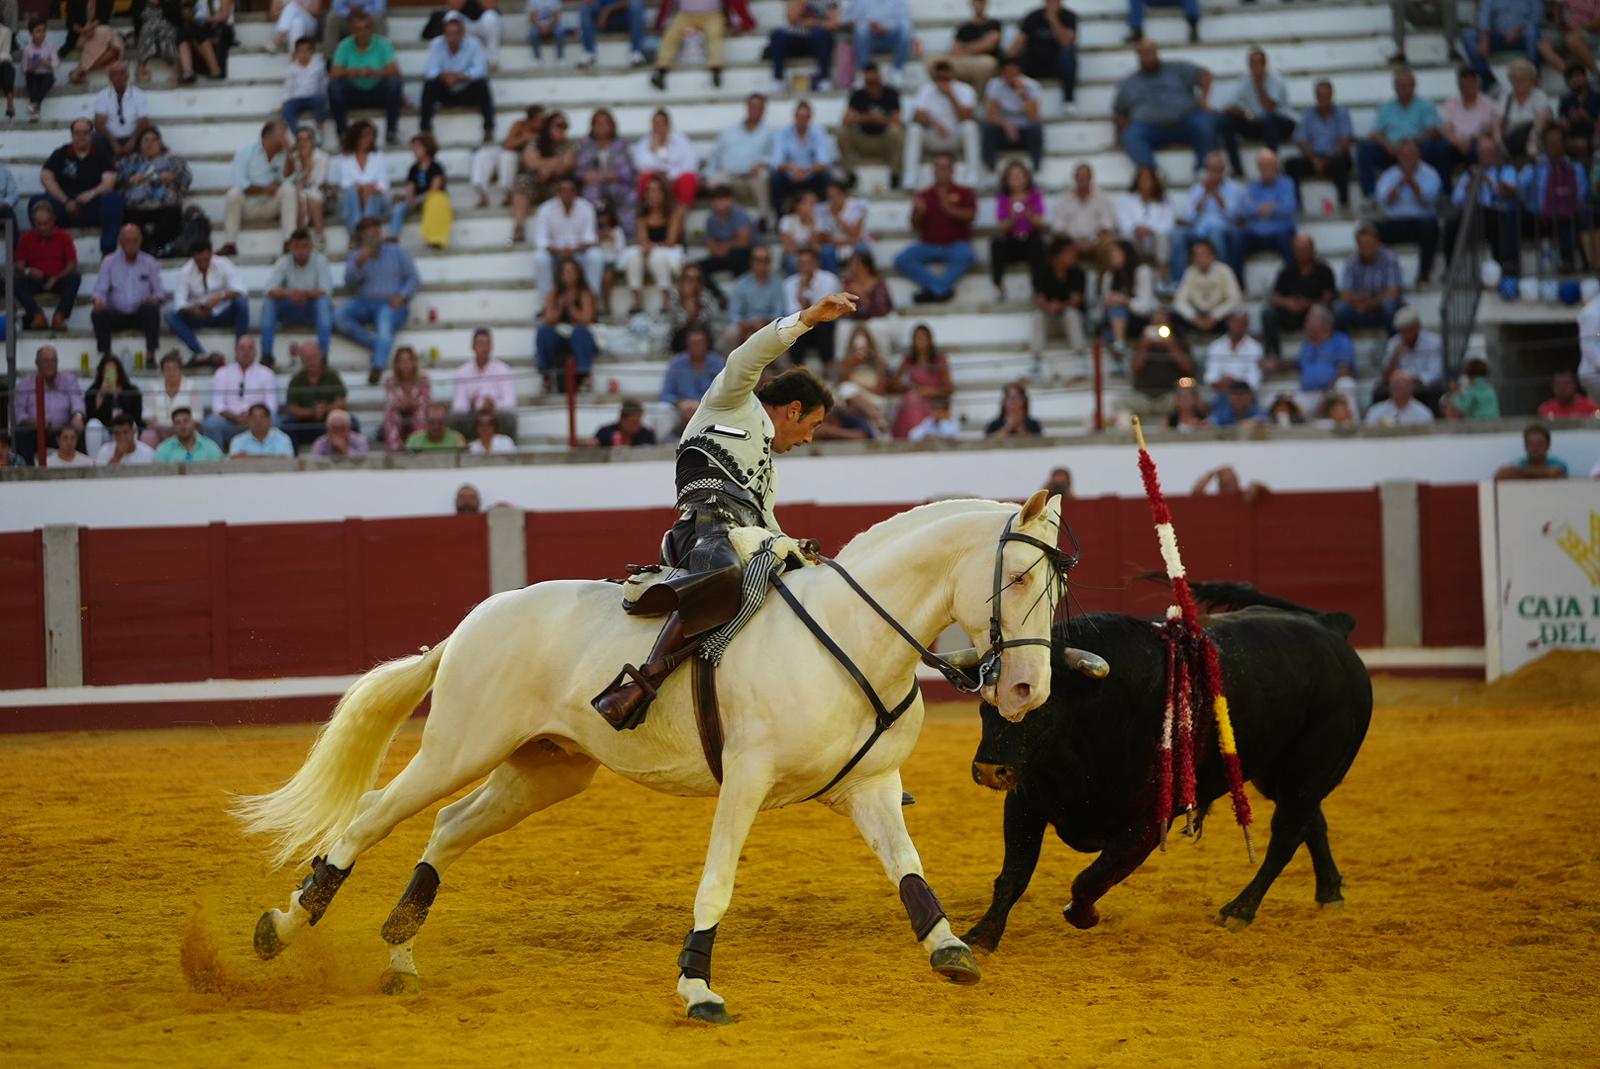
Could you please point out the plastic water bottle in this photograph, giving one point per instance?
(433, 356)
(86, 361)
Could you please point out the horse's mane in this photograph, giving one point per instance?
(893, 526)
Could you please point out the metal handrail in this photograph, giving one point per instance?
(1462, 281)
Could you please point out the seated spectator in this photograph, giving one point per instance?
(1502, 25)
(311, 170)
(1579, 110)
(566, 329)
(1208, 292)
(407, 392)
(689, 375)
(210, 31)
(468, 503)
(808, 285)
(1047, 44)
(1160, 361)
(1401, 408)
(974, 52)
(658, 243)
(1189, 410)
(807, 31)
(1554, 190)
(362, 175)
(210, 296)
(480, 18)
(1285, 411)
(340, 439)
(100, 45)
(1474, 398)
(154, 182)
(162, 32)
(1408, 194)
(800, 158)
(703, 15)
(943, 120)
(1336, 413)
(1059, 299)
(864, 368)
(1465, 117)
(186, 444)
(882, 26)
(80, 183)
(1014, 420)
(550, 157)
(923, 374)
(1127, 296)
(121, 112)
(315, 392)
(260, 189)
(1163, 103)
(842, 226)
(484, 384)
(666, 152)
(565, 228)
(173, 392)
(1418, 351)
(756, 299)
(1407, 116)
(1059, 484)
(493, 164)
(1500, 203)
(941, 216)
(1011, 115)
(1236, 407)
(1525, 112)
(457, 76)
(235, 388)
(1144, 218)
(382, 278)
(851, 419)
(1325, 139)
(63, 402)
(1370, 285)
(628, 430)
(800, 228)
(1086, 215)
(729, 237)
(47, 262)
(691, 304)
(871, 130)
(66, 454)
(1565, 401)
(110, 395)
(486, 437)
(1302, 283)
(300, 291)
(1535, 463)
(128, 294)
(1019, 216)
(259, 438)
(861, 277)
(1327, 357)
(424, 177)
(1398, 12)
(124, 449)
(1235, 357)
(1191, 15)
(1268, 214)
(1258, 109)
(364, 73)
(305, 85)
(938, 423)
(739, 160)
(611, 16)
(1215, 205)
(545, 24)
(40, 61)
(435, 435)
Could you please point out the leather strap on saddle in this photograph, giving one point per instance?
(705, 600)
(708, 715)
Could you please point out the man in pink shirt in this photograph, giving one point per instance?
(1565, 400)
(1466, 117)
(483, 384)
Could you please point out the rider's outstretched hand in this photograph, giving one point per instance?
(831, 307)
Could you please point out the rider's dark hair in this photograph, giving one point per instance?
(797, 384)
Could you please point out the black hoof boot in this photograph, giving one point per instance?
(319, 888)
(405, 920)
(907, 798)
(710, 1013)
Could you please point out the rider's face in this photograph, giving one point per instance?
(790, 428)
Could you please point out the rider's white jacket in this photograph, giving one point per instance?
(731, 426)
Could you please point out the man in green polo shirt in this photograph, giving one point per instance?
(314, 391)
(187, 445)
(365, 74)
(436, 435)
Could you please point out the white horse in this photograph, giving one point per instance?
(511, 688)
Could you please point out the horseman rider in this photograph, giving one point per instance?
(725, 480)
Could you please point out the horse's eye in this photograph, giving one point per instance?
(1018, 578)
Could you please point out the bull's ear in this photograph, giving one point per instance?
(1034, 507)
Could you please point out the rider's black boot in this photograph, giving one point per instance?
(624, 702)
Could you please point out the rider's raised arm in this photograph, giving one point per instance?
(745, 364)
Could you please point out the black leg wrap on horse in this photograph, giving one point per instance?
(922, 905)
(320, 887)
(695, 961)
(405, 920)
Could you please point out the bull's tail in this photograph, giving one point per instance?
(1230, 597)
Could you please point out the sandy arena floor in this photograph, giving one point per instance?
(1469, 937)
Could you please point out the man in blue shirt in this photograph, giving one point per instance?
(1325, 139)
(755, 300)
(1239, 407)
(1408, 193)
(261, 439)
(1502, 24)
(690, 373)
(1500, 201)
(800, 159)
(457, 76)
(1214, 201)
(882, 26)
(1326, 355)
(1267, 214)
(384, 279)
(1406, 116)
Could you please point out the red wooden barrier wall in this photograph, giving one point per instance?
(21, 610)
(1452, 573)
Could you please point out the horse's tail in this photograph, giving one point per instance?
(309, 812)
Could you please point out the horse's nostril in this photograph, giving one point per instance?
(1023, 690)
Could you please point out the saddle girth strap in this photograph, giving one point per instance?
(708, 714)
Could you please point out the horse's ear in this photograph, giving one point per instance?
(1034, 507)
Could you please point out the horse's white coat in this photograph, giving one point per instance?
(511, 689)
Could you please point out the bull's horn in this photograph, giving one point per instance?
(965, 660)
(1090, 664)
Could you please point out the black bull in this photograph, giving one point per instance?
(1086, 763)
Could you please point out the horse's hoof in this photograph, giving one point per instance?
(1233, 922)
(710, 1012)
(400, 983)
(1081, 917)
(955, 964)
(267, 943)
(1331, 903)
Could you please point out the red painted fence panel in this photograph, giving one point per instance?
(21, 610)
(147, 604)
(288, 592)
(420, 577)
(1452, 584)
(593, 545)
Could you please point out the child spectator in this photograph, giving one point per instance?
(39, 64)
(305, 85)
(938, 423)
(1474, 398)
